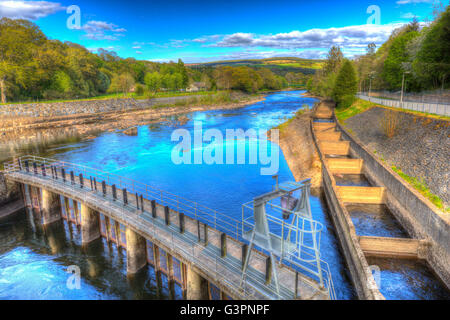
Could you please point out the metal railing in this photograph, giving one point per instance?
(92, 185)
(440, 109)
(190, 208)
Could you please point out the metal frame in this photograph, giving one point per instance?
(296, 242)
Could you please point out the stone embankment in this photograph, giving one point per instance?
(420, 146)
(298, 148)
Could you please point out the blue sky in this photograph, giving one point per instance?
(199, 30)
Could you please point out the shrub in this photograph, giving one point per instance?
(346, 101)
(389, 123)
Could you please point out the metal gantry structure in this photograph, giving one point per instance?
(282, 225)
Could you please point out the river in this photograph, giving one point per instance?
(33, 263)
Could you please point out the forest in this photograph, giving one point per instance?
(417, 55)
(34, 67)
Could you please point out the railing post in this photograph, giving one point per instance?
(167, 215)
(104, 188)
(35, 168)
(153, 208)
(137, 201)
(63, 173)
(142, 203)
(81, 180)
(72, 177)
(125, 196)
(20, 164)
(223, 245)
(95, 184)
(92, 186)
(44, 173)
(114, 192)
(27, 166)
(181, 217)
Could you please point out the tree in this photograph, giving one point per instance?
(122, 83)
(153, 81)
(334, 60)
(432, 62)
(346, 85)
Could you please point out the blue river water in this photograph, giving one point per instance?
(147, 158)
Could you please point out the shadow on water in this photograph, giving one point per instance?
(34, 262)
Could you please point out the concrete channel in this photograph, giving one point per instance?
(377, 220)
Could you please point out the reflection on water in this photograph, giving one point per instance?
(408, 280)
(33, 265)
(147, 158)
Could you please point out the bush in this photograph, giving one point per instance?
(389, 123)
(139, 90)
(345, 101)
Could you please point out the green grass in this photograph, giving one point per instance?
(119, 96)
(357, 107)
(422, 187)
(360, 106)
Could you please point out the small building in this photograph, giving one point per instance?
(196, 86)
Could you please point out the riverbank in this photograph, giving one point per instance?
(297, 144)
(16, 132)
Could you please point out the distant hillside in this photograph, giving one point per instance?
(281, 65)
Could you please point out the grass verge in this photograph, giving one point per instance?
(422, 187)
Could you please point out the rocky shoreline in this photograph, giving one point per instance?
(17, 133)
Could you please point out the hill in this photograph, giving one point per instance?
(279, 65)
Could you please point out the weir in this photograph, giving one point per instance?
(184, 240)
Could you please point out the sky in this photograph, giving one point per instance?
(202, 31)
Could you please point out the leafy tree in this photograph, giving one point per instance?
(432, 62)
(153, 81)
(334, 60)
(346, 85)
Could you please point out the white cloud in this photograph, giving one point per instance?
(98, 30)
(408, 15)
(414, 1)
(351, 36)
(31, 10)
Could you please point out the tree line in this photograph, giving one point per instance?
(415, 57)
(33, 67)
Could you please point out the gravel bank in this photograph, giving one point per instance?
(420, 146)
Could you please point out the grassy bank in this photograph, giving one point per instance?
(360, 106)
(422, 187)
(120, 96)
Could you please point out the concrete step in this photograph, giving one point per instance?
(345, 166)
(328, 135)
(369, 195)
(339, 148)
(393, 247)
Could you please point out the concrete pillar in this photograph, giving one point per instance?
(136, 251)
(196, 286)
(51, 207)
(90, 227)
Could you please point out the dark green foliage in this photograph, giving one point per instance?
(346, 84)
